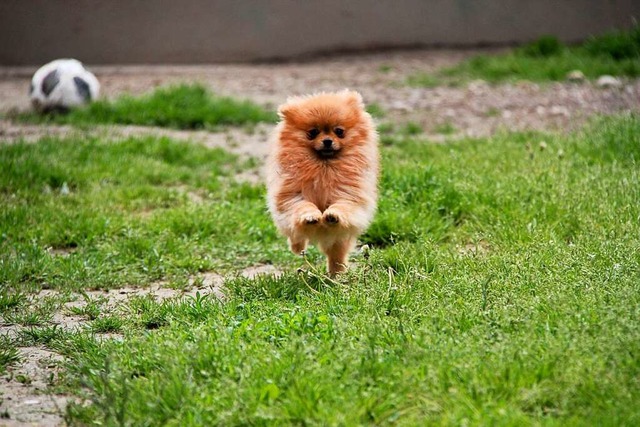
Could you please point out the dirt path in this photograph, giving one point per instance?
(476, 109)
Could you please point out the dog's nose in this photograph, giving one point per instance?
(327, 143)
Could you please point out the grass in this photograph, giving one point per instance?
(107, 324)
(376, 110)
(446, 128)
(11, 300)
(183, 106)
(91, 309)
(9, 354)
(547, 59)
(126, 217)
(502, 287)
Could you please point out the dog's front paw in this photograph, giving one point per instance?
(310, 218)
(332, 217)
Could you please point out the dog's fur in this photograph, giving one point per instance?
(322, 173)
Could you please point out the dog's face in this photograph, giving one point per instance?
(327, 124)
(325, 137)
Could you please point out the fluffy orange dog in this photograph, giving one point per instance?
(322, 173)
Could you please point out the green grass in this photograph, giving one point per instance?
(547, 59)
(126, 216)
(9, 354)
(376, 110)
(11, 300)
(91, 309)
(183, 106)
(446, 128)
(385, 68)
(107, 324)
(502, 287)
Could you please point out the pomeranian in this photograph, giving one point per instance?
(322, 173)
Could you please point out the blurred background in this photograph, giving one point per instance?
(199, 31)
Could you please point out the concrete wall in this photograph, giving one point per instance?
(200, 31)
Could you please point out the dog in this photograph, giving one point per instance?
(322, 173)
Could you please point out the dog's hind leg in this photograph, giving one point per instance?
(298, 246)
(338, 255)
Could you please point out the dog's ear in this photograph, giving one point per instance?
(354, 99)
(285, 112)
(290, 111)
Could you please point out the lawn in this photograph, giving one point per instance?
(502, 286)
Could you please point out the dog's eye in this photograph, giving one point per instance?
(339, 132)
(312, 133)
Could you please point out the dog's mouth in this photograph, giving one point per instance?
(327, 153)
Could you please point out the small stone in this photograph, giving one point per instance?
(558, 110)
(575, 76)
(402, 106)
(608, 81)
(525, 84)
(478, 85)
(64, 190)
(365, 251)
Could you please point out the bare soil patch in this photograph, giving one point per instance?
(477, 109)
(24, 390)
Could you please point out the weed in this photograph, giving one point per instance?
(9, 301)
(23, 379)
(9, 354)
(543, 47)
(151, 314)
(446, 128)
(107, 324)
(44, 335)
(28, 318)
(91, 310)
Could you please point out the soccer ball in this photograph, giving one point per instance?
(61, 85)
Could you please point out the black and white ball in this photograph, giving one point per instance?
(62, 85)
